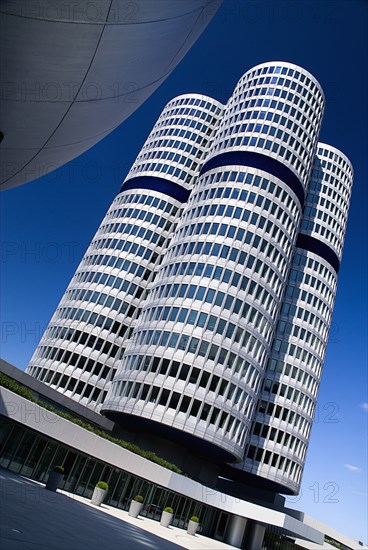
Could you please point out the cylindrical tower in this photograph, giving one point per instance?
(196, 361)
(281, 427)
(94, 319)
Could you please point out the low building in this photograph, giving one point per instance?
(34, 438)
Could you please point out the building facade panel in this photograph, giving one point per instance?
(201, 310)
(97, 313)
(281, 426)
(199, 350)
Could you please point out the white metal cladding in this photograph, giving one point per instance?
(281, 426)
(76, 355)
(276, 109)
(78, 351)
(327, 205)
(179, 140)
(204, 336)
(199, 350)
(225, 338)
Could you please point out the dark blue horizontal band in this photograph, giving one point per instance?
(306, 242)
(161, 185)
(262, 162)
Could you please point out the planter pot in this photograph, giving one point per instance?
(192, 527)
(98, 496)
(135, 508)
(166, 519)
(54, 480)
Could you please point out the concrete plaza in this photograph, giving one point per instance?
(32, 518)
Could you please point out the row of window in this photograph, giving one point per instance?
(297, 421)
(296, 104)
(240, 237)
(92, 341)
(289, 130)
(141, 214)
(236, 306)
(155, 168)
(290, 350)
(325, 211)
(339, 188)
(213, 323)
(293, 444)
(75, 360)
(294, 332)
(306, 127)
(183, 102)
(300, 164)
(296, 293)
(334, 237)
(226, 253)
(224, 275)
(322, 186)
(102, 299)
(237, 213)
(318, 284)
(301, 376)
(269, 227)
(293, 138)
(288, 77)
(336, 159)
(210, 190)
(203, 411)
(274, 389)
(195, 124)
(99, 260)
(77, 387)
(251, 345)
(101, 321)
(125, 246)
(172, 139)
(237, 396)
(112, 281)
(311, 361)
(128, 229)
(321, 208)
(287, 466)
(103, 278)
(290, 94)
(305, 317)
(130, 198)
(304, 260)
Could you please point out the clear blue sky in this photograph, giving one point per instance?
(48, 224)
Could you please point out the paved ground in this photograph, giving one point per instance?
(32, 518)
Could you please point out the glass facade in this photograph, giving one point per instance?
(32, 455)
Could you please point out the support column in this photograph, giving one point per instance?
(255, 536)
(235, 531)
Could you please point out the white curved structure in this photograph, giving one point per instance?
(224, 352)
(209, 337)
(71, 72)
(92, 324)
(277, 446)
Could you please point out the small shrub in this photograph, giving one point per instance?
(138, 498)
(102, 485)
(194, 518)
(15, 387)
(169, 510)
(59, 469)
